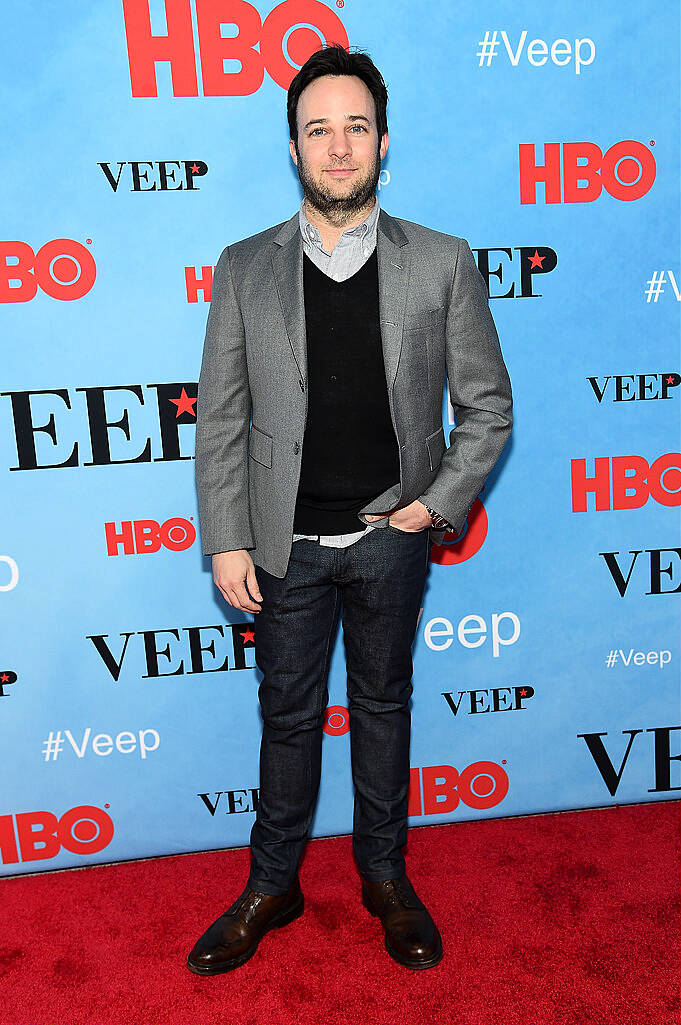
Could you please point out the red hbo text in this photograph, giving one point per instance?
(626, 482)
(285, 29)
(627, 171)
(63, 269)
(436, 789)
(40, 834)
(139, 537)
(195, 283)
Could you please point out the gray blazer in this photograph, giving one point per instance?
(252, 395)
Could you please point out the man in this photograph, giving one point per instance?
(333, 331)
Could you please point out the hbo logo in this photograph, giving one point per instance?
(41, 835)
(435, 789)
(627, 171)
(63, 269)
(230, 63)
(139, 537)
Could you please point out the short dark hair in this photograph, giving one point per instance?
(334, 59)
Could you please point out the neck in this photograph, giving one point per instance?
(331, 227)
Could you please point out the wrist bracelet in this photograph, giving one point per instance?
(438, 521)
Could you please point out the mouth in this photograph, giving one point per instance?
(340, 172)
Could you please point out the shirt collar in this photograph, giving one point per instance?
(352, 235)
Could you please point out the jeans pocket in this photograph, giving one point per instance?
(404, 533)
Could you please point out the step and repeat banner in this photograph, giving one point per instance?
(148, 134)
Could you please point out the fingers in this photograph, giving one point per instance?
(235, 578)
(235, 594)
(246, 603)
(404, 527)
(252, 583)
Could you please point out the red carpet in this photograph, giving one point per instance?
(568, 919)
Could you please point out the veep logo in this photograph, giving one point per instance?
(140, 537)
(290, 34)
(164, 175)
(515, 276)
(657, 569)
(627, 171)
(102, 435)
(202, 658)
(492, 699)
(63, 268)
(481, 785)
(632, 480)
(635, 387)
(41, 835)
(7, 678)
(237, 801)
(662, 757)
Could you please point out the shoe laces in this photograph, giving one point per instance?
(247, 904)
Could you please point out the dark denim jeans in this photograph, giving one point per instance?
(376, 585)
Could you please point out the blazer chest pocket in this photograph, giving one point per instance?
(436, 446)
(260, 446)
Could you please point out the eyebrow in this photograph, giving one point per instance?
(325, 120)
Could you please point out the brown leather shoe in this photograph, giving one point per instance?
(411, 936)
(233, 938)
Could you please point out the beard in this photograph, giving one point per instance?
(339, 209)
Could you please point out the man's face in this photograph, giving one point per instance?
(339, 154)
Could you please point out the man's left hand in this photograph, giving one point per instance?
(413, 517)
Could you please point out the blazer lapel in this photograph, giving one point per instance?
(394, 264)
(287, 266)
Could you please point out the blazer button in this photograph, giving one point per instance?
(296, 448)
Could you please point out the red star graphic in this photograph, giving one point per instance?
(184, 404)
(523, 693)
(248, 636)
(4, 678)
(670, 379)
(194, 169)
(536, 260)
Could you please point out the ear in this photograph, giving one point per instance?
(292, 151)
(384, 145)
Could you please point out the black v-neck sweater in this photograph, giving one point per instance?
(350, 452)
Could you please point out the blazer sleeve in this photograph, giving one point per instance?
(223, 413)
(480, 391)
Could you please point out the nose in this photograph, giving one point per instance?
(339, 146)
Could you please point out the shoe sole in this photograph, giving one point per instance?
(285, 918)
(412, 963)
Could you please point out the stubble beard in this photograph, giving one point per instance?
(339, 209)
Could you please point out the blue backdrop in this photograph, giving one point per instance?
(546, 662)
